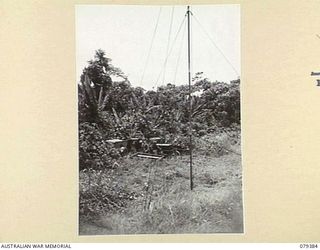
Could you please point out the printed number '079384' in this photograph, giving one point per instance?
(305, 245)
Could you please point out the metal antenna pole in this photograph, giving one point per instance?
(190, 104)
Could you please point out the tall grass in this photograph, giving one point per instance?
(214, 206)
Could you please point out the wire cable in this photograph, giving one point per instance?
(215, 45)
(179, 55)
(173, 43)
(151, 45)
(168, 44)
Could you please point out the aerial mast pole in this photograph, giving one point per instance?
(190, 104)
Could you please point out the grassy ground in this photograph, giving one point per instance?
(158, 198)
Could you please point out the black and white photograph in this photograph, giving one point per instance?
(159, 121)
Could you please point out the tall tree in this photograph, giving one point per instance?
(100, 70)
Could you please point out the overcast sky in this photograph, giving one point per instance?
(125, 32)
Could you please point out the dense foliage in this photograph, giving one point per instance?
(94, 152)
(115, 109)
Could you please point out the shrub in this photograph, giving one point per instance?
(94, 151)
(100, 193)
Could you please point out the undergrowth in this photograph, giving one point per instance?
(143, 197)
